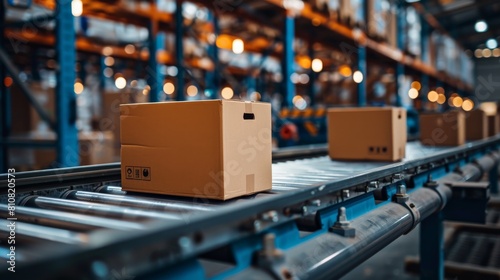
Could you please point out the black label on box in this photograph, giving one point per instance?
(138, 173)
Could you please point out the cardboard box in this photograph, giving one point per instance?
(493, 125)
(367, 133)
(442, 129)
(94, 148)
(476, 125)
(46, 99)
(110, 117)
(211, 149)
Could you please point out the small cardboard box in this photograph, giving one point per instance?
(367, 133)
(476, 125)
(442, 129)
(493, 125)
(212, 149)
(95, 147)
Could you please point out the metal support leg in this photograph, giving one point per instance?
(4, 100)
(154, 76)
(362, 68)
(432, 247)
(424, 89)
(179, 50)
(287, 67)
(493, 178)
(67, 134)
(102, 78)
(313, 77)
(401, 37)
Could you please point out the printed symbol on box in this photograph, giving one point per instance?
(137, 173)
(146, 173)
(129, 173)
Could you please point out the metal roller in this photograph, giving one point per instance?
(68, 220)
(38, 233)
(135, 201)
(90, 208)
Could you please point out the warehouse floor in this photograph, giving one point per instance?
(389, 263)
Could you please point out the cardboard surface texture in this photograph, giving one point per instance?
(442, 129)
(493, 125)
(367, 133)
(212, 149)
(476, 125)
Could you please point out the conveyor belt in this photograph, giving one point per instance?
(86, 211)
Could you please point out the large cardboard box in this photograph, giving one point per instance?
(367, 133)
(212, 149)
(476, 125)
(442, 129)
(493, 125)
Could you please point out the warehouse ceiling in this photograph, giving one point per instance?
(459, 17)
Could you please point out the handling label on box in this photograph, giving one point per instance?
(138, 173)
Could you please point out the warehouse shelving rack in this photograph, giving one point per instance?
(356, 41)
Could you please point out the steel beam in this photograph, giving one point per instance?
(363, 69)
(67, 135)
(5, 122)
(179, 50)
(432, 247)
(400, 68)
(212, 78)
(156, 43)
(288, 61)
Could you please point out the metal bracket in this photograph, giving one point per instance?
(342, 226)
(272, 259)
(402, 198)
(468, 202)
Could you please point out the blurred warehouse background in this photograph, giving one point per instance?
(67, 65)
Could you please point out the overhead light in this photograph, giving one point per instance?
(78, 87)
(192, 90)
(169, 88)
(416, 85)
(413, 93)
(76, 8)
(120, 82)
(478, 53)
(412, 1)
(481, 26)
(357, 76)
(486, 53)
(441, 98)
(317, 65)
(467, 105)
(227, 93)
(432, 96)
(294, 6)
(238, 46)
(491, 43)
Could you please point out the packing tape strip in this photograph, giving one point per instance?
(248, 107)
(250, 183)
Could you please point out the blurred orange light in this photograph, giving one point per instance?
(345, 70)
(432, 96)
(416, 85)
(441, 98)
(8, 81)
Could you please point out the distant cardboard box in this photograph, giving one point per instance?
(367, 133)
(212, 149)
(493, 125)
(476, 125)
(442, 129)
